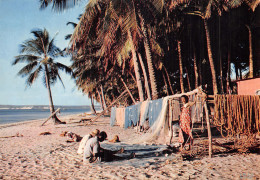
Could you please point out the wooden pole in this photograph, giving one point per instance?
(129, 92)
(58, 110)
(209, 130)
(103, 112)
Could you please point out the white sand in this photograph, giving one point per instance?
(51, 157)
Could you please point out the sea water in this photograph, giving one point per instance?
(13, 114)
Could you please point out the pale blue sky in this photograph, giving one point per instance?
(17, 19)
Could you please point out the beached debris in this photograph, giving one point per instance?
(84, 120)
(45, 133)
(115, 139)
(16, 135)
(72, 137)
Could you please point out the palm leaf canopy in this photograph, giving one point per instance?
(39, 53)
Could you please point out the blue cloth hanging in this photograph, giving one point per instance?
(155, 108)
(132, 115)
(113, 116)
(145, 114)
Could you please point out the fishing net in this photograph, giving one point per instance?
(237, 114)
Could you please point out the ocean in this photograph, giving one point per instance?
(13, 114)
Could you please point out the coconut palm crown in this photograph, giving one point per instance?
(39, 53)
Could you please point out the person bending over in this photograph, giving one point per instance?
(94, 153)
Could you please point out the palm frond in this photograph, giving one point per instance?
(61, 80)
(25, 58)
(72, 23)
(58, 5)
(85, 23)
(33, 76)
(208, 9)
(68, 36)
(53, 50)
(31, 46)
(28, 68)
(44, 4)
(235, 3)
(156, 48)
(158, 4)
(65, 68)
(252, 4)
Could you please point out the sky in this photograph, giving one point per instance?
(17, 19)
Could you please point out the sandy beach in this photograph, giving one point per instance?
(30, 155)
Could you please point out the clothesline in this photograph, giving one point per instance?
(155, 112)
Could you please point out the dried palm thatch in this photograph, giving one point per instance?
(237, 114)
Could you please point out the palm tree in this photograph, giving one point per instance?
(39, 54)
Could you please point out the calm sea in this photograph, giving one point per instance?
(13, 114)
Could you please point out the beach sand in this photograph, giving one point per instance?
(34, 156)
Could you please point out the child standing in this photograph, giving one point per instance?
(185, 133)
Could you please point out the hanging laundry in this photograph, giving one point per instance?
(176, 109)
(155, 108)
(113, 116)
(120, 117)
(132, 115)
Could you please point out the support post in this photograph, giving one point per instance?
(209, 130)
(58, 110)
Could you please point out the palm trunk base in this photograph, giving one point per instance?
(57, 120)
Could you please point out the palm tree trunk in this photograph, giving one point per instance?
(101, 101)
(47, 80)
(180, 66)
(131, 74)
(196, 70)
(168, 78)
(228, 71)
(221, 75)
(188, 78)
(136, 68)
(166, 85)
(129, 92)
(103, 97)
(211, 62)
(146, 82)
(149, 61)
(220, 56)
(93, 110)
(251, 62)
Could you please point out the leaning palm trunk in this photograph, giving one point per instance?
(129, 92)
(168, 78)
(136, 68)
(211, 62)
(100, 99)
(146, 82)
(103, 97)
(149, 62)
(47, 80)
(251, 62)
(93, 110)
(181, 68)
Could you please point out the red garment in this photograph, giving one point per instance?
(185, 125)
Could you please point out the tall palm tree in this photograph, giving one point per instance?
(39, 54)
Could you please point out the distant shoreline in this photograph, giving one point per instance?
(20, 114)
